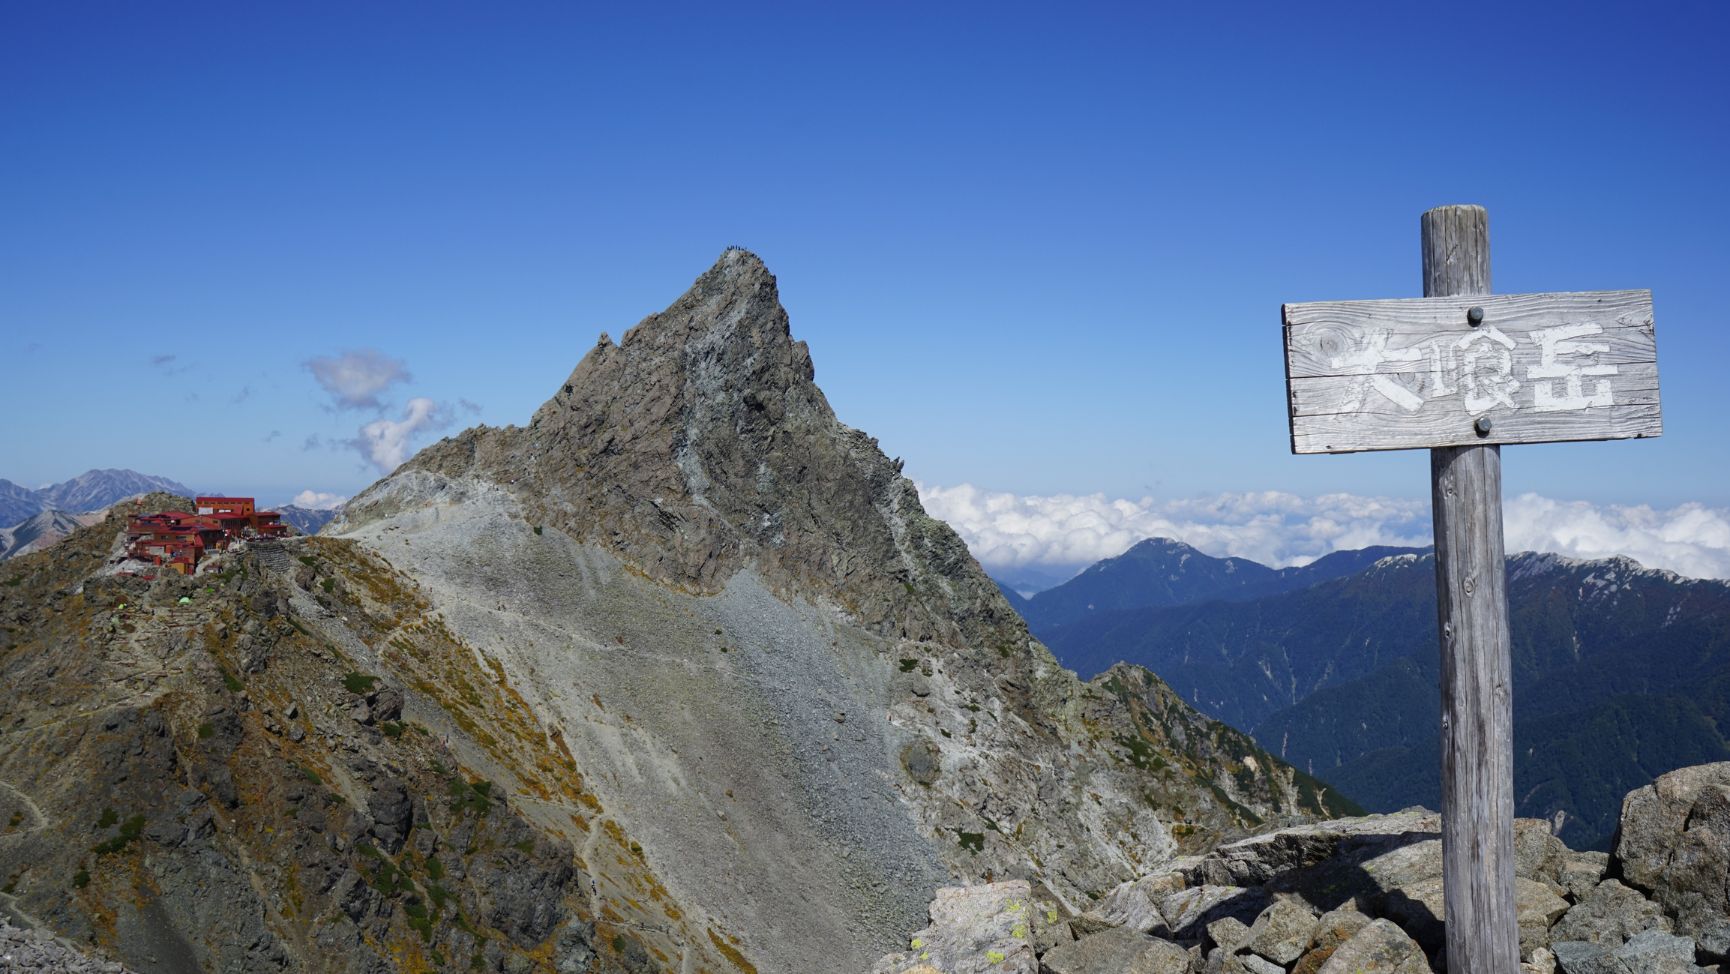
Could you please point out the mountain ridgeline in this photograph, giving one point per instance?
(1620, 673)
(679, 676)
(1159, 572)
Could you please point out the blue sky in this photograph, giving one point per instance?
(1036, 248)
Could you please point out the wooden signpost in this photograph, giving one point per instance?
(1460, 372)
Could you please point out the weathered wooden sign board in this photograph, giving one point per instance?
(1414, 373)
(1460, 372)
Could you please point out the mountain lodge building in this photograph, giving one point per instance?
(178, 540)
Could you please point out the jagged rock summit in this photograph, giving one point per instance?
(679, 676)
(808, 662)
(700, 443)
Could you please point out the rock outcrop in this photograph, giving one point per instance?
(774, 647)
(1364, 896)
(33, 952)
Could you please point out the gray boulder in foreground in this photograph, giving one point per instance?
(1119, 951)
(974, 930)
(1674, 846)
(1365, 896)
(1379, 948)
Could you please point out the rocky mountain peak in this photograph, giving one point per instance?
(789, 692)
(699, 444)
(726, 337)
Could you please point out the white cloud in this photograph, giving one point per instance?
(1275, 528)
(354, 379)
(1689, 539)
(1010, 531)
(317, 500)
(385, 441)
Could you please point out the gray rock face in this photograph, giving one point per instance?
(1675, 846)
(1581, 871)
(1282, 932)
(1118, 951)
(1134, 904)
(392, 814)
(1657, 952)
(1652, 952)
(1609, 914)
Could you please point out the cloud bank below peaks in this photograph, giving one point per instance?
(1008, 531)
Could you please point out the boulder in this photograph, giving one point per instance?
(1119, 951)
(1379, 948)
(1654, 819)
(1282, 932)
(974, 930)
(1260, 859)
(1334, 928)
(1228, 933)
(386, 704)
(1656, 952)
(1581, 871)
(1134, 904)
(1542, 961)
(392, 814)
(1538, 854)
(1609, 914)
(1651, 952)
(1188, 912)
(1713, 940)
(1537, 907)
(1694, 887)
(1051, 922)
(1248, 964)
(1581, 957)
(1418, 909)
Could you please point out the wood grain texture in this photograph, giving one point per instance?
(1413, 373)
(1483, 935)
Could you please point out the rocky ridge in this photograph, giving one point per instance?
(213, 773)
(1364, 896)
(687, 532)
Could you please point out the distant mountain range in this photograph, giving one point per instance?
(89, 491)
(1159, 572)
(1620, 673)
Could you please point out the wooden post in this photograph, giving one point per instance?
(1483, 935)
(1459, 372)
